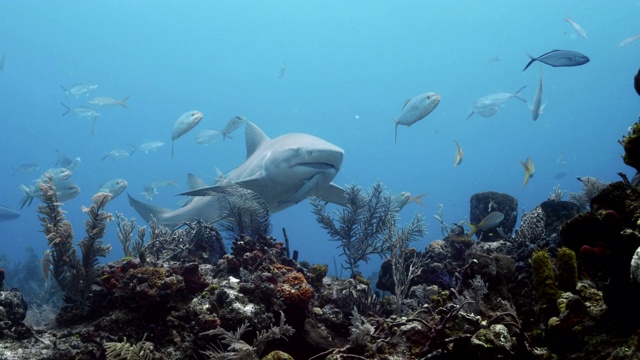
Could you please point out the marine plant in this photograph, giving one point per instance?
(74, 275)
(125, 351)
(544, 284)
(567, 269)
(238, 348)
(245, 212)
(406, 263)
(360, 225)
(131, 247)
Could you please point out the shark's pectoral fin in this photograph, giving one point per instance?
(147, 211)
(333, 194)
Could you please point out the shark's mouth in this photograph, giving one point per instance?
(318, 165)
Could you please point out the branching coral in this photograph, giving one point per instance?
(361, 224)
(131, 247)
(406, 264)
(74, 276)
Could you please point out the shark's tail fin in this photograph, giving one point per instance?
(147, 211)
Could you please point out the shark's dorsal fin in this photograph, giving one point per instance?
(254, 138)
(194, 182)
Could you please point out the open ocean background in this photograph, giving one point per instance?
(349, 67)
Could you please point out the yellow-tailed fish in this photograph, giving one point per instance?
(529, 169)
(489, 222)
(459, 155)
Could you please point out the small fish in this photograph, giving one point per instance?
(25, 168)
(489, 222)
(492, 61)
(7, 214)
(78, 90)
(149, 191)
(536, 106)
(628, 41)
(561, 160)
(560, 175)
(118, 154)
(109, 101)
(114, 187)
(416, 109)
(405, 197)
(559, 58)
(74, 164)
(164, 183)
(207, 136)
(579, 30)
(529, 169)
(459, 155)
(185, 122)
(487, 106)
(84, 112)
(233, 123)
(2, 61)
(147, 146)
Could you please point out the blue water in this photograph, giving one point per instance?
(350, 66)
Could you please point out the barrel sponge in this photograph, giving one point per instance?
(567, 269)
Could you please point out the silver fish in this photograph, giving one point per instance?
(25, 168)
(56, 174)
(207, 136)
(185, 122)
(416, 109)
(488, 105)
(628, 41)
(118, 154)
(536, 106)
(559, 58)
(84, 112)
(233, 124)
(114, 187)
(147, 146)
(149, 191)
(109, 101)
(579, 30)
(78, 90)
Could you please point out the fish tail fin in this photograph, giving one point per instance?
(472, 228)
(395, 139)
(134, 149)
(123, 102)
(518, 92)
(27, 198)
(531, 60)
(93, 125)
(172, 142)
(14, 170)
(66, 92)
(68, 109)
(147, 211)
(470, 115)
(418, 199)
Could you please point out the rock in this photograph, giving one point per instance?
(481, 204)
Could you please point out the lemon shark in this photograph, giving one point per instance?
(283, 171)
